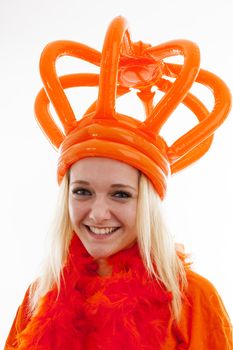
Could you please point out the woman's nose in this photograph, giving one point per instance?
(100, 210)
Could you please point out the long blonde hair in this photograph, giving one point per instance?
(156, 246)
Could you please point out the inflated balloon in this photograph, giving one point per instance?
(124, 66)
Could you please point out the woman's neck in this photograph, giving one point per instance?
(104, 269)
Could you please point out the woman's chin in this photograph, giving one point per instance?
(99, 254)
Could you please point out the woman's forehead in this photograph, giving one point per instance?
(105, 169)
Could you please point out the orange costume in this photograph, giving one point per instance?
(113, 321)
(126, 310)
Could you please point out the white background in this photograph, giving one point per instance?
(199, 202)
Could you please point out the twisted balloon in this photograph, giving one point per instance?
(125, 66)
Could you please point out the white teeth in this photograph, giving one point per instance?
(102, 231)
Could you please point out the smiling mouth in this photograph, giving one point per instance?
(105, 231)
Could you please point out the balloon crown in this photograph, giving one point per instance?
(125, 65)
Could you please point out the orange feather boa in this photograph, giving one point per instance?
(128, 310)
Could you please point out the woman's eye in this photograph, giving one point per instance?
(122, 194)
(81, 192)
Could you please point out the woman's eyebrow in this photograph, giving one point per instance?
(81, 182)
(122, 185)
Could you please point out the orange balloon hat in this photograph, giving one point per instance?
(124, 66)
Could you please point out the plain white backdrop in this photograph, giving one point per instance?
(199, 202)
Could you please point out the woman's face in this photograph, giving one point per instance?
(102, 204)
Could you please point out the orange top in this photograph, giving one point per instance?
(124, 66)
(204, 323)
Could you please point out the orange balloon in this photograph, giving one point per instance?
(124, 66)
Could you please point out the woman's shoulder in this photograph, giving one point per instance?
(21, 320)
(202, 294)
(198, 285)
(204, 323)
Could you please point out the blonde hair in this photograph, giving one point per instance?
(156, 246)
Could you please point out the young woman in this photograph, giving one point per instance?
(114, 278)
